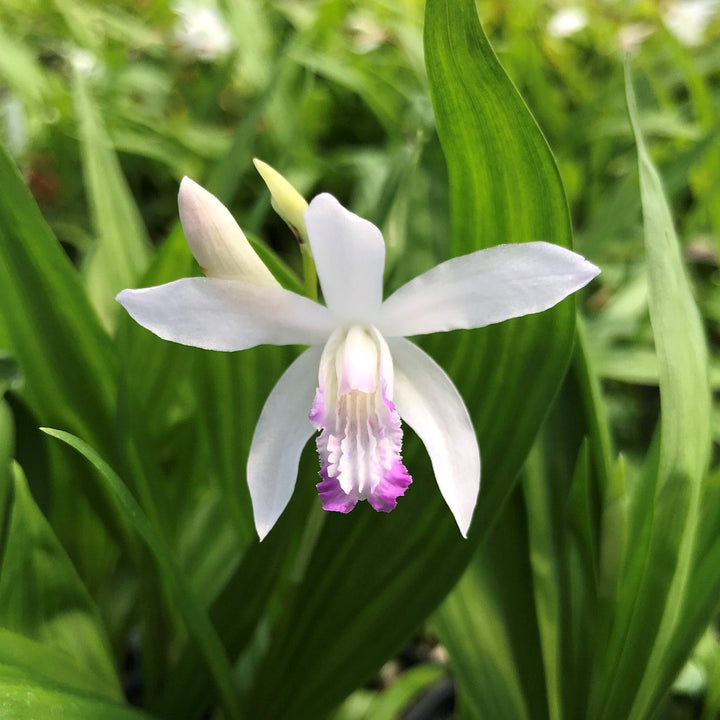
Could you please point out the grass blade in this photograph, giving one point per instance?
(122, 247)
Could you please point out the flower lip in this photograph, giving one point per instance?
(356, 364)
(360, 440)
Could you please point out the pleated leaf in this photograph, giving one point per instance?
(519, 624)
(47, 323)
(489, 627)
(67, 363)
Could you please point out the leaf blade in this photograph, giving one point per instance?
(122, 247)
(195, 618)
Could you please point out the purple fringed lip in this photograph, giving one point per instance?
(360, 437)
(383, 498)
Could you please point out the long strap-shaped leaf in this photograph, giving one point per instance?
(685, 433)
(41, 595)
(647, 622)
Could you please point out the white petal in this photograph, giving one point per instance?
(431, 405)
(279, 438)
(227, 314)
(485, 287)
(349, 254)
(216, 240)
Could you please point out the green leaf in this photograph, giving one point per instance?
(265, 568)
(66, 360)
(153, 371)
(43, 663)
(408, 687)
(10, 374)
(505, 187)
(41, 595)
(250, 25)
(121, 251)
(519, 626)
(24, 698)
(47, 323)
(69, 367)
(196, 620)
(648, 626)
(21, 71)
(7, 450)
(395, 700)
(38, 681)
(489, 627)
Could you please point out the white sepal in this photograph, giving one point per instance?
(430, 404)
(485, 287)
(279, 438)
(216, 240)
(227, 314)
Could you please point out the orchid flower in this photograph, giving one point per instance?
(359, 377)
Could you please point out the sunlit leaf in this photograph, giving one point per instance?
(40, 681)
(194, 616)
(41, 595)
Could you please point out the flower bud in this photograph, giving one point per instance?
(287, 202)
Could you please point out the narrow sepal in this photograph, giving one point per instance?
(280, 436)
(227, 314)
(485, 287)
(430, 404)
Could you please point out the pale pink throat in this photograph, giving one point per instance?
(360, 437)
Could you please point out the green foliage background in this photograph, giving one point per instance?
(590, 573)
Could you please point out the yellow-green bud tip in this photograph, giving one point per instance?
(287, 202)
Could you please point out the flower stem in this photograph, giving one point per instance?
(309, 272)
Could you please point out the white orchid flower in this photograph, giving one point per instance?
(359, 377)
